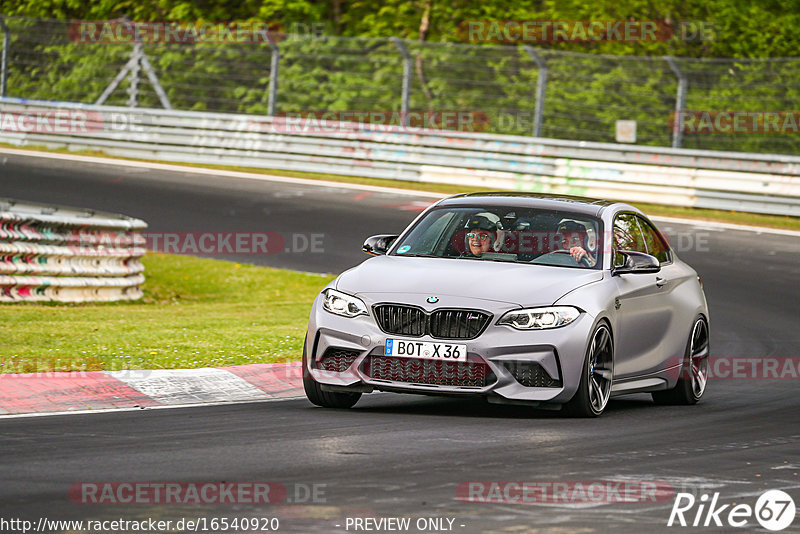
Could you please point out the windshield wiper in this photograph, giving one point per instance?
(420, 256)
(498, 260)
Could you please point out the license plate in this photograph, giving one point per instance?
(426, 350)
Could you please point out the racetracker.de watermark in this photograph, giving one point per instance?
(77, 121)
(751, 368)
(184, 32)
(564, 491)
(80, 121)
(328, 121)
(196, 493)
(705, 122)
(56, 121)
(222, 243)
(526, 241)
(581, 31)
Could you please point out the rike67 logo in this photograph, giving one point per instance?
(774, 510)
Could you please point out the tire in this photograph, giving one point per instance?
(597, 376)
(326, 399)
(694, 369)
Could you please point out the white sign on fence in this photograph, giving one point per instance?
(626, 131)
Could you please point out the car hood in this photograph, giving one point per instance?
(520, 284)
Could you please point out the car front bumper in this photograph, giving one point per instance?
(508, 353)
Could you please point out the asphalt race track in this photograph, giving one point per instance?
(406, 456)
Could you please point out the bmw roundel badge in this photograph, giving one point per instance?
(433, 300)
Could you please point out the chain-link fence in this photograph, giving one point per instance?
(504, 89)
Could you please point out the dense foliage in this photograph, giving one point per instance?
(342, 60)
(742, 29)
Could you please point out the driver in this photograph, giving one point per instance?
(572, 240)
(483, 234)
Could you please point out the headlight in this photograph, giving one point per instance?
(540, 318)
(343, 304)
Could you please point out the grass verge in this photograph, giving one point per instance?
(195, 313)
(734, 217)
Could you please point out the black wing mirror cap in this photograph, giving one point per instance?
(378, 245)
(637, 263)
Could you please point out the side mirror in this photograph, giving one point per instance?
(378, 244)
(637, 263)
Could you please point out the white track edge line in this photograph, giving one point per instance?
(341, 185)
(144, 408)
(219, 172)
(727, 226)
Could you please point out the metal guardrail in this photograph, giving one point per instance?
(60, 254)
(758, 183)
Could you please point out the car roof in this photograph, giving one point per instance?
(585, 205)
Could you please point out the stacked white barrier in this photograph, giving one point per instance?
(759, 183)
(61, 254)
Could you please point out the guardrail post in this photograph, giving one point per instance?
(4, 57)
(406, 91)
(680, 102)
(541, 87)
(274, 65)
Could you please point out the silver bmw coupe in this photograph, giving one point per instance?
(551, 301)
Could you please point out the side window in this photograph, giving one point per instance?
(627, 236)
(656, 246)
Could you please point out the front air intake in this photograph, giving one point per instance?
(472, 373)
(337, 360)
(530, 374)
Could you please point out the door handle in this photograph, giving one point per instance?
(660, 281)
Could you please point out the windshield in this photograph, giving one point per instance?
(507, 234)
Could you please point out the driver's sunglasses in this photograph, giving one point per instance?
(482, 237)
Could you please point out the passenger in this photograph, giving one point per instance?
(483, 235)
